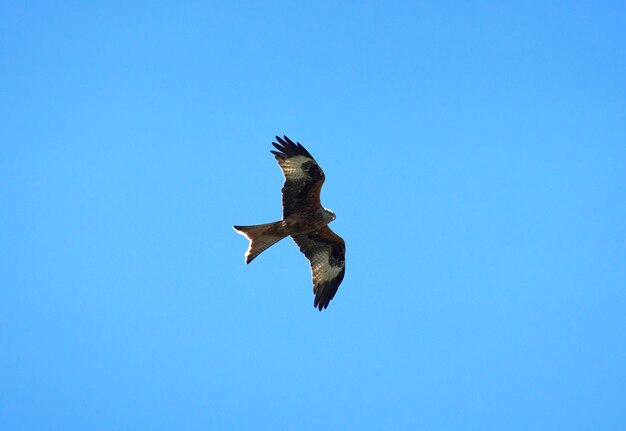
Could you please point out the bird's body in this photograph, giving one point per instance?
(300, 223)
(305, 220)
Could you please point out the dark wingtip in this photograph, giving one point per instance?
(277, 154)
(289, 141)
(288, 148)
(325, 292)
(281, 153)
(320, 306)
(321, 302)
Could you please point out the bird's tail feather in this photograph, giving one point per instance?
(261, 237)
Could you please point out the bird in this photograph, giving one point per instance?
(305, 220)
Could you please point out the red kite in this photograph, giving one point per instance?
(305, 220)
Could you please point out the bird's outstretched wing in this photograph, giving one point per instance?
(326, 252)
(303, 177)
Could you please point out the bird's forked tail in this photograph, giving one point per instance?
(261, 237)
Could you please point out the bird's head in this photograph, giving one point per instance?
(329, 215)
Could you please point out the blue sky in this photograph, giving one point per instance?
(474, 154)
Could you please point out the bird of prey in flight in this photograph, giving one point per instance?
(305, 220)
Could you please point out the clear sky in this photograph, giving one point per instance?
(475, 156)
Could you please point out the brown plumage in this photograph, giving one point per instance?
(305, 220)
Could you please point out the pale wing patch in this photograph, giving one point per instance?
(321, 269)
(292, 167)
